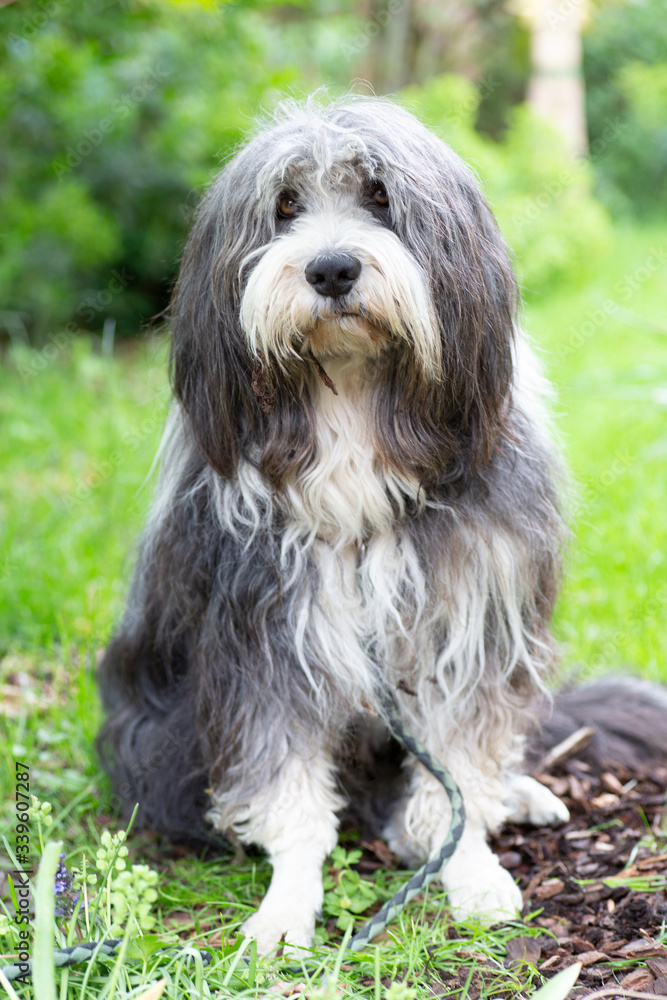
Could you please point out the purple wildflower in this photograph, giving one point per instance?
(65, 900)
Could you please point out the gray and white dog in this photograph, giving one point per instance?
(358, 491)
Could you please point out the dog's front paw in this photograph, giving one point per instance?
(483, 889)
(530, 802)
(270, 926)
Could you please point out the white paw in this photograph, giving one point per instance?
(484, 890)
(530, 802)
(270, 926)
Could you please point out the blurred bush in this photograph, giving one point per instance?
(543, 201)
(625, 63)
(113, 117)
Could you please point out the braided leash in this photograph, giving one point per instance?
(76, 954)
(79, 953)
(62, 957)
(432, 868)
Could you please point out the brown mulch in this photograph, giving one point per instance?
(617, 819)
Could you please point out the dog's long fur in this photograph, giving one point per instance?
(354, 492)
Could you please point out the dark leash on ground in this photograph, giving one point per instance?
(84, 952)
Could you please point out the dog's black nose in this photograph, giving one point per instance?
(333, 274)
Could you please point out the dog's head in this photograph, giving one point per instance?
(348, 230)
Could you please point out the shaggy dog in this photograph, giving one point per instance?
(358, 492)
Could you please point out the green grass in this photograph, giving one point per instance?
(78, 440)
(610, 373)
(79, 433)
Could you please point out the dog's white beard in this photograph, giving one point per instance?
(285, 318)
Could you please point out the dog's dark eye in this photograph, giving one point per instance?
(287, 207)
(380, 196)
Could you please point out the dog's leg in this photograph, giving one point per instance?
(476, 882)
(294, 820)
(528, 801)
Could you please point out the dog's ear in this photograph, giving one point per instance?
(452, 232)
(211, 366)
(234, 404)
(476, 297)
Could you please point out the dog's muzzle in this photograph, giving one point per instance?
(332, 275)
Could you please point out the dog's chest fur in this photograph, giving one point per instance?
(347, 496)
(371, 586)
(378, 604)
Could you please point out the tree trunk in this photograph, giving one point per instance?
(556, 87)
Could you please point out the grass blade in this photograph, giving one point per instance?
(43, 968)
(155, 991)
(4, 982)
(561, 984)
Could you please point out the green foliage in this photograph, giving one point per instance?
(544, 202)
(9, 930)
(504, 68)
(399, 991)
(126, 894)
(113, 117)
(346, 894)
(112, 852)
(40, 813)
(133, 893)
(625, 62)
